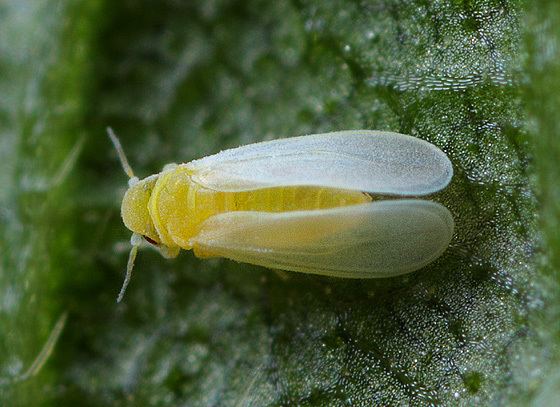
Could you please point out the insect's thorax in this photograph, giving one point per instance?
(178, 206)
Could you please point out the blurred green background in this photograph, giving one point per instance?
(179, 80)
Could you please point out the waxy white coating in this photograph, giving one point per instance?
(364, 160)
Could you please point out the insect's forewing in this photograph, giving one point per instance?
(364, 160)
(377, 239)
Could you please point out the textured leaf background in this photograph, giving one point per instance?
(180, 80)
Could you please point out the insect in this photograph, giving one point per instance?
(323, 204)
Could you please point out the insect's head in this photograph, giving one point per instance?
(134, 209)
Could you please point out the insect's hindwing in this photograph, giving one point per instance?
(377, 239)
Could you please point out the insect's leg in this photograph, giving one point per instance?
(284, 276)
(169, 252)
(170, 166)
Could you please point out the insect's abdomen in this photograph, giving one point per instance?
(206, 203)
(284, 199)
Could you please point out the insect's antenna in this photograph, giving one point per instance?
(122, 156)
(135, 240)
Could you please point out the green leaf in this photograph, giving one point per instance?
(182, 80)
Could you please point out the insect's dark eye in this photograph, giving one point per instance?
(150, 240)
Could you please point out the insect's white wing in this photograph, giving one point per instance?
(378, 239)
(370, 161)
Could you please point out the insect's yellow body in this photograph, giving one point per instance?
(303, 204)
(177, 206)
